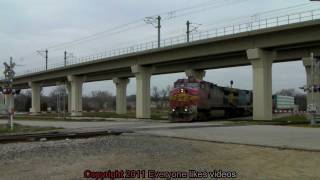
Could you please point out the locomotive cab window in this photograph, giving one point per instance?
(186, 85)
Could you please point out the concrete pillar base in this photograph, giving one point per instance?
(197, 74)
(35, 98)
(76, 113)
(33, 113)
(76, 94)
(261, 61)
(143, 102)
(121, 96)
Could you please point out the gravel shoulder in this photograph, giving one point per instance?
(68, 159)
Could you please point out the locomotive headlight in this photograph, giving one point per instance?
(173, 110)
(181, 90)
(185, 109)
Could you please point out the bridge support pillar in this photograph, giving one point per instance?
(197, 74)
(143, 102)
(68, 87)
(261, 61)
(121, 96)
(35, 98)
(312, 80)
(76, 94)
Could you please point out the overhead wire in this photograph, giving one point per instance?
(110, 31)
(262, 15)
(198, 8)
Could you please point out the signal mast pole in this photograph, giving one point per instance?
(8, 91)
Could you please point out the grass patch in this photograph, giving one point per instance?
(131, 115)
(87, 116)
(108, 115)
(17, 128)
(295, 118)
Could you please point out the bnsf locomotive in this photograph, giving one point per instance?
(196, 100)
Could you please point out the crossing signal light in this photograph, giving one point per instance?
(7, 91)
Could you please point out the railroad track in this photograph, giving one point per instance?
(56, 135)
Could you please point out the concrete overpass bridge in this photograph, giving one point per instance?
(260, 44)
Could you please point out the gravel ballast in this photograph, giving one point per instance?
(68, 159)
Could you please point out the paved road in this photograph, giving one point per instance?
(264, 135)
(275, 136)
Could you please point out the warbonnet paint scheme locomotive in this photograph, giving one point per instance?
(196, 100)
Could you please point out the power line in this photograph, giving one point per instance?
(208, 7)
(198, 8)
(265, 14)
(110, 31)
(93, 36)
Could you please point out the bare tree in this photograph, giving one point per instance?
(22, 102)
(57, 95)
(99, 100)
(287, 92)
(155, 95)
(163, 94)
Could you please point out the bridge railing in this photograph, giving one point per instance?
(201, 35)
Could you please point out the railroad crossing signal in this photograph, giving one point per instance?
(7, 89)
(8, 71)
(312, 88)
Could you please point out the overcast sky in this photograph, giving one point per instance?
(28, 26)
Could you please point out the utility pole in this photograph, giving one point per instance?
(188, 31)
(65, 58)
(46, 59)
(40, 52)
(159, 28)
(156, 22)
